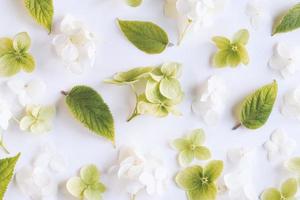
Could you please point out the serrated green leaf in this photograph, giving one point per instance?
(258, 106)
(289, 22)
(7, 167)
(289, 188)
(89, 108)
(42, 11)
(146, 36)
(134, 3)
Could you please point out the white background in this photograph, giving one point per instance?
(114, 54)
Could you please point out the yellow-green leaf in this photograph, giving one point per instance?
(258, 106)
(42, 11)
(89, 108)
(146, 36)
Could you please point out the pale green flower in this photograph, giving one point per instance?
(191, 147)
(38, 119)
(200, 182)
(14, 55)
(287, 191)
(87, 186)
(231, 53)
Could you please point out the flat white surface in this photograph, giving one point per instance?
(114, 54)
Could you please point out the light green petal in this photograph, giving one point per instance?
(213, 169)
(152, 92)
(243, 54)
(156, 74)
(99, 186)
(76, 186)
(186, 157)
(171, 69)
(189, 178)
(289, 188)
(9, 66)
(27, 63)
(294, 164)
(46, 113)
(132, 75)
(241, 37)
(202, 153)
(90, 174)
(197, 137)
(221, 42)
(170, 88)
(205, 192)
(22, 42)
(26, 123)
(6, 45)
(40, 127)
(220, 58)
(92, 194)
(161, 111)
(271, 194)
(181, 144)
(233, 59)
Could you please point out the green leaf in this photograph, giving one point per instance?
(289, 22)
(258, 106)
(241, 37)
(42, 11)
(134, 3)
(289, 188)
(89, 108)
(76, 187)
(170, 88)
(22, 42)
(7, 167)
(146, 36)
(293, 164)
(90, 174)
(271, 194)
(188, 179)
(206, 192)
(213, 170)
(221, 42)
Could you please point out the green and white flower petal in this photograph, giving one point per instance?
(47, 113)
(6, 46)
(204, 192)
(188, 179)
(90, 174)
(76, 187)
(132, 75)
(26, 122)
(180, 144)
(202, 153)
(21, 42)
(170, 88)
(9, 66)
(99, 186)
(222, 43)
(289, 188)
(213, 170)
(271, 194)
(241, 37)
(197, 137)
(40, 127)
(186, 157)
(220, 58)
(134, 3)
(233, 59)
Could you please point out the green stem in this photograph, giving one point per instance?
(135, 112)
(4, 148)
(184, 32)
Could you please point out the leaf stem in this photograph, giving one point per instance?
(237, 126)
(4, 148)
(135, 112)
(64, 93)
(184, 32)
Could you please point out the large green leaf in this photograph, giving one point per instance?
(7, 167)
(89, 108)
(289, 22)
(258, 106)
(146, 36)
(42, 11)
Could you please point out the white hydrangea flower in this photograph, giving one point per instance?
(256, 13)
(285, 59)
(5, 114)
(28, 92)
(75, 45)
(193, 13)
(291, 104)
(140, 172)
(239, 181)
(279, 146)
(210, 104)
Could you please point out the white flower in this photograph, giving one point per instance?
(193, 13)
(5, 114)
(210, 104)
(140, 172)
(28, 92)
(285, 59)
(256, 13)
(239, 181)
(75, 45)
(280, 146)
(291, 104)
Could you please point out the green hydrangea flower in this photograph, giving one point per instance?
(14, 55)
(287, 191)
(200, 182)
(231, 53)
(38, 119)
(191, 147)
(87, 186)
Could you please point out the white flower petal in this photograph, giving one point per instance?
(69, 53)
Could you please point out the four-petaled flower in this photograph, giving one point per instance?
(87, 186)
(285, 59)
(38, 119)
(280, 146)
(287, 191)
(256, 13)
(199, 182)
(231, 53)
(191, 147)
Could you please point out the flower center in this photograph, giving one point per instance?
(193, 147)
(204, 180)
(234, 48)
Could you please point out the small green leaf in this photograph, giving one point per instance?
(289, 188)
(289, 22)
(258, 106)
(146, 36)
(42, 11)
(89, 108)
(213, 169)
(134, 3)
(7, 167)
(22, 42)
(188, 179)
(271, 194)
(294, 165)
